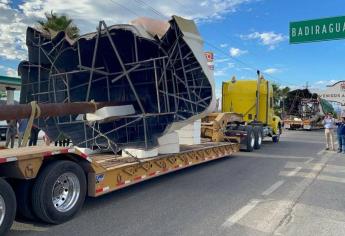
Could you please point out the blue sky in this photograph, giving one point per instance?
(316, 63)
(254, 32)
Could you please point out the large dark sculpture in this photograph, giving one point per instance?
(159, 83)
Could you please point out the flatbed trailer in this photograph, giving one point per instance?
(231, 127)
(301, 124)
(50, 183)
(293, 124)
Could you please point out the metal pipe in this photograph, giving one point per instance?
(93, 61)
(157, 88)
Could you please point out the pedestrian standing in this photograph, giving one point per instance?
(329, 124)
(34, 135)
(23, 123)
(341, 135)
(11, 132)
(46, 139)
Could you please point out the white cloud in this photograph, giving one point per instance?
(236, 52)
(320, 82)
(220, 72)
(87, 14)
(326, 82)
(5, 2)
(223, 45)
(270, 39)
(11, 72)
(221, 60)
(247, 78)
(244, 69)
(231, 65)
(271, 71)
(12, 33)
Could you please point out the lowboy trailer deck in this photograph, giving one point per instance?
(50, 183)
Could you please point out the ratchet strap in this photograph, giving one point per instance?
(35, 113)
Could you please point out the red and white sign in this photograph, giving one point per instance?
(210, 58)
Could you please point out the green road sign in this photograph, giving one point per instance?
(317, 30)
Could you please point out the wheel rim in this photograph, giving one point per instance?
(2, 210)
(259, 139)
(252, 141)
(66, 192)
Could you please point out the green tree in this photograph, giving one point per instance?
(2, 94)
(55, 23)
(279, 93)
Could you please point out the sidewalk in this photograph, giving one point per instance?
(320, 210)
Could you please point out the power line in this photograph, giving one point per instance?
(243, 63)
(233, 58)
(269, 75)
(123, 6)
(158, 13)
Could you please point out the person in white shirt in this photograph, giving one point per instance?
(329, 124)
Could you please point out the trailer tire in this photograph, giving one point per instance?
(250, 140)
(8, 207)
(258, 137)
(23, 190)
(59, 192)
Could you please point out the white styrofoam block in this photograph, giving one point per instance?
(190, 134)
(168, 138)
(186, 141)
(111, 111)
(186, 134)
(169, 148)
(140, 153)
(169, 143)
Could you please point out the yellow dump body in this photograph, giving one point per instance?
(239, 96)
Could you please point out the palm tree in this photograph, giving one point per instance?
(55, 23)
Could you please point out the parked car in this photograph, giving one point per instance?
(3, 128)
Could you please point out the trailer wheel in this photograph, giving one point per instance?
(59, 192)
(7, 207)
(250, 140)
(258, 137)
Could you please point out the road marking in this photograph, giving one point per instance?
(309, 160)
(273, 188)
(321, 152)
(273, 156)
(241, 213)
(18, 226)
(295, 171)
(297, 192)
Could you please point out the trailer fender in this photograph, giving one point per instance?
(29, 167)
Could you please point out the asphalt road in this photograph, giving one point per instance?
(290, 188)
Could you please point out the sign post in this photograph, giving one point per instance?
(317, 30)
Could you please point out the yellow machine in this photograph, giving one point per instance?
(240, 96)
(247, 116)
(253, 99)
